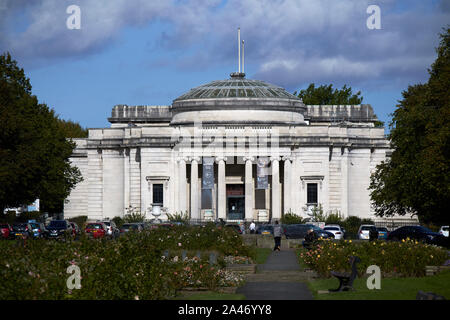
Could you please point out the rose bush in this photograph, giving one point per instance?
(126, 268)
(407, 258)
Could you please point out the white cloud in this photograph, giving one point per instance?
(290, 40)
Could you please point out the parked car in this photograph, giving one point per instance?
(6, 231)
(367, 232)
(112, 229)
(21, 230)
(382, 233)
(133, 227)
(58, 228)
(38, 229)
(418, 233)
(264, 229)
(336, 230)
(319, 232)
(444, 231)
(96, 230)
(295, 231)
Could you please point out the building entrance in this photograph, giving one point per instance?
(235, 202)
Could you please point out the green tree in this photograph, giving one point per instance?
(326, 95)
(34, 153)
(72, 129)
(416, 179)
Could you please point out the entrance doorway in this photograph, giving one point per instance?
(235, 202)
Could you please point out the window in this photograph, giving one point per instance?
(158, 193)
(311, 193)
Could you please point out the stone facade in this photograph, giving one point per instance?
(154, 154)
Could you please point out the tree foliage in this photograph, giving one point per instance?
(416, 179)
(34, 152)
(326, 95)
(72, 129)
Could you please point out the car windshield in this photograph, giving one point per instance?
(34, 225)
(107, 223)
(57, 224)
(331, 228)
(94, 226)
(366, 228)
(266, 227)
(382, 229)
(444, 228)
(315, 228)
(2, 226)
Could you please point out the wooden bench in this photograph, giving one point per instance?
(346, 278)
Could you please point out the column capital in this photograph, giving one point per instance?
(197, 159)
(247, 158)
(220, 158)
(185, 159)
(276, 158)
(288, 158)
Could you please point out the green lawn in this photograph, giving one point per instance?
(391, 288)
(262, 254)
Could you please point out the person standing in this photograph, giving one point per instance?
(277, 232)
(252, 227)
(310, 237)
(242, 227)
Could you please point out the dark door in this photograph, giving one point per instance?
(236, 207)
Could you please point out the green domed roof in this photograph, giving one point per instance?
(237, 87)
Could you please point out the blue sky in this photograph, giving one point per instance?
(140, 52)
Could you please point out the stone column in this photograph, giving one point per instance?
(276, 188)
(249, 187)
(287, 184)
(182, 185)
(221, 189)
(195, 208)
(126, 179)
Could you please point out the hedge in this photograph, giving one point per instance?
(131, 267)
(407, 258)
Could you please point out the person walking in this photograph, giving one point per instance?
(277, 232)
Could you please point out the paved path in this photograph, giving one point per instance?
(280, 278)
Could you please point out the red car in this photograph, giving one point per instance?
(96, 230)
(5, 231)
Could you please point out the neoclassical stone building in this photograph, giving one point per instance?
(233, 149)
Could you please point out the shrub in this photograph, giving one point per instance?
(134, 217)
(118, 221)
(407, 258)
(178, 217)
(126, 268)
(334, 218)
(351, 225)
(79, 220)
(291, 218)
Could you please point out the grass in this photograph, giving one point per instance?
(262, 254)
(391, 288)
(210, 295)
